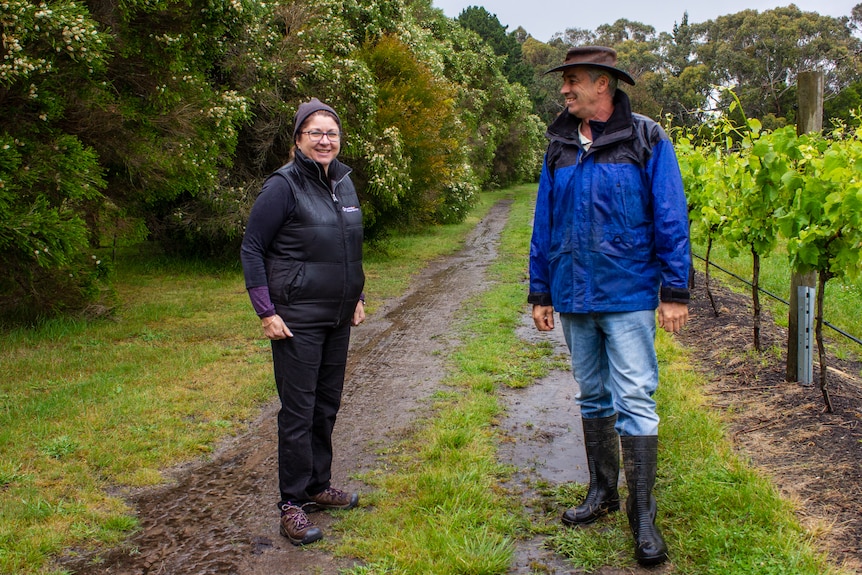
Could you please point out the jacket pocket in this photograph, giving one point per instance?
(284, 280)
(622, 243)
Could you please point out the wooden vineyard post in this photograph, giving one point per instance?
(810, 119)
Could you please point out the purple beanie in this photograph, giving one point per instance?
(308, 108)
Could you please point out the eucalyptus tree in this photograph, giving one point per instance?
(624, 30)
(503, 43)
(546, 98)
(576, 37)
(759, 54)
(684, 86)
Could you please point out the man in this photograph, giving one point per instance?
(610, 245)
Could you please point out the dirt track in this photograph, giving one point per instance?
(219, 517)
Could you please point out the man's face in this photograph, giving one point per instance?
(580, 92)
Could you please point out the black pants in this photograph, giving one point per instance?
(309, 374)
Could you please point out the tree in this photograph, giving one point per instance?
(489, 28)
(53, 61)
(546, 89)
(759, 54)
(683, 86)
(843, 107)
(415, 110)
(623, 30)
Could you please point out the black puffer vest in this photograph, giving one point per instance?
(314, 263)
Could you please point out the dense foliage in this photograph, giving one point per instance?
(749, 186)
(160, 118)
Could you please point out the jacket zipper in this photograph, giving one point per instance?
(340, 217)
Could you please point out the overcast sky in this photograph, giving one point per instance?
(543, 18)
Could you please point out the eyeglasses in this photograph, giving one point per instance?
(316, 135)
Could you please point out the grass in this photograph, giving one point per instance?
(91, 405)
(840, 304)
(86, 407)
(440, 507)
(719, 515)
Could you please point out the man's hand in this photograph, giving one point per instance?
(543, 317)
(671, 316)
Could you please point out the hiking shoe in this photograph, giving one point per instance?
(331, 498)
(296, 527)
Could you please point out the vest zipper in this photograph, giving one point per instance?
(340, 216)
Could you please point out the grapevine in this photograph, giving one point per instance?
(751, 186)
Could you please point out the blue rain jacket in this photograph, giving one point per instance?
(610, 232)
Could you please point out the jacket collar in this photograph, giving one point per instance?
(337, 170)
(619, 126)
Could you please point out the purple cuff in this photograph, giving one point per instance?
(260, 301)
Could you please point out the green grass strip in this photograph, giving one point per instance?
(87, 407)
(441, 505)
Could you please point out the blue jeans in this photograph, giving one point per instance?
(614, 364)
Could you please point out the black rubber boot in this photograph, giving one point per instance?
(603, 461)
(639, 458)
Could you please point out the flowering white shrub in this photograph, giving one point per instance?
(39, 37)
(388, 174)
(179, 108)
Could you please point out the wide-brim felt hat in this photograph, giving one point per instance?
(597, 57)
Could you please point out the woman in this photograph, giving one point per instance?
(302, 260)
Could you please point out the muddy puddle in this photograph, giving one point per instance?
(220, 516)
(545, 444)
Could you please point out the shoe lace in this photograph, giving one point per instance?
(297, 516)
(334, 493)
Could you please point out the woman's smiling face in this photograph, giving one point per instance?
(324, 150)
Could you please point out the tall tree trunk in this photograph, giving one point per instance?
(818, 331)
(755, 296)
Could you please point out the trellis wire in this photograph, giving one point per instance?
(772, 295)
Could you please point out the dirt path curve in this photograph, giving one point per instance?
(219, 517)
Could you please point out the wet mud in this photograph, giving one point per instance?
(545, 443)
(219, 516)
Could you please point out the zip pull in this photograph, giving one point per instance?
(332, 187)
